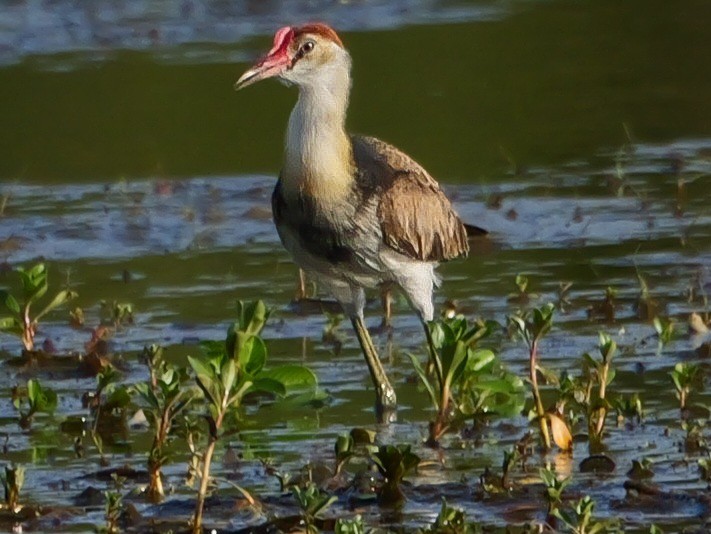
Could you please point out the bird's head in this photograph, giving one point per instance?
(301, 55)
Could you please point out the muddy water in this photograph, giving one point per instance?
(580, 136)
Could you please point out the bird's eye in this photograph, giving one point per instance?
(307, 47)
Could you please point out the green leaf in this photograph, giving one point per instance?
(212, 349)
(205, 377)
(146, 393)
(34, 390)
(479, 359)
(34, 282)
(41, 399)
(253, 355)
(268, 385)
(425, 380)
(10, 324)
(252, 316)
(59, 299)
(344, 445)
(118, 397)
(293, 377)
(228, 374)
(437, 333)
(201, 367)
(9, 302)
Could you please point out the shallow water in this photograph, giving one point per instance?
(140, 177)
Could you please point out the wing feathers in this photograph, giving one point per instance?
(416, 218)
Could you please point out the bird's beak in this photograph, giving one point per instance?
(272, 65)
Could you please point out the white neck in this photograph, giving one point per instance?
(318, 149)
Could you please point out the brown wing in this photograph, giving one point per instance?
(415, 216)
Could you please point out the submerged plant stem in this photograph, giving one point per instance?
(540, 412)
(204, 481)
(602, 412)
(206, 462)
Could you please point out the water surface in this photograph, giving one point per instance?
(135, 171)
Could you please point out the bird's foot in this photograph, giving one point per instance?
(386, 404)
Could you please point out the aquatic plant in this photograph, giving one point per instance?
(34, 286)
(393, 463)
(167, 398)
(349, 526)
(450, 520)
(532, 326)
(580, 520)
(522, 295)
(113, 508)
(629, 407)
(695, 440)
(705, 468)
(554, 493)
(313, 503)
(600, 373)
(109, 397)
(227, 373)
(665, 329)
(39, 399)
(347, 446)
(467, 382)
(646, 306)
(13, 479)
(451, 340)
(117, 313)
(687, 377)
(563, 302)
(491, 482)
(606, 309)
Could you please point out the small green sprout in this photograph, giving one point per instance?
(12, 481)
(39, 400)
(532, 326)
(554, 492)
(166, 401)
(313, 504)
(687, 377)
(601, 374)
(695, 441)
(665, 329)
(349, 526)
(581, 521)
(606, 309)
(450, 520)
(628, 407)
(705, 468)
(34, 286)
(393, 463)
(113, 508)
(117, 313)
(521, 296)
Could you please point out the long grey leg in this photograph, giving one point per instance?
(385, 398)
(352, 299)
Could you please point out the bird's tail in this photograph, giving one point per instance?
(474, 231)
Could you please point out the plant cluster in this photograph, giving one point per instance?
(466, 382)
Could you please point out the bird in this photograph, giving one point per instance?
(353, 211)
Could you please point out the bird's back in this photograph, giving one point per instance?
(414, 215)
